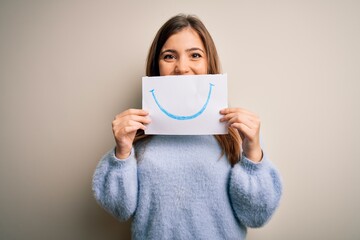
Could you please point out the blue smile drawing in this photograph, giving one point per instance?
(178, 117)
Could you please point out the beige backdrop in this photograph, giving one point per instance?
(68, 67)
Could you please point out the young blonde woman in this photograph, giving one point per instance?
(187, 187)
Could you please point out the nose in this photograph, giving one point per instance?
(182, 66)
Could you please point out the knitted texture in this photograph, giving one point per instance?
(180, 187)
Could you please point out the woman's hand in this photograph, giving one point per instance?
(124, 129)
(248, 125)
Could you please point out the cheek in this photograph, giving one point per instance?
(164, 68)
(202, 68)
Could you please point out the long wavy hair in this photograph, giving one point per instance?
(230, 143)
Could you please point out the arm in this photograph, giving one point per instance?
(115, 180)
(255, 191)
(115, 185)
(255, 185)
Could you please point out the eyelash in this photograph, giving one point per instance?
(171, 57)
(196, 55)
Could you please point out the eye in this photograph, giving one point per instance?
(196, 55)
(169, 57)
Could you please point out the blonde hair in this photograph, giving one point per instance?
(230, 143)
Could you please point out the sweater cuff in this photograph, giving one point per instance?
(122, 162)
(253, 167)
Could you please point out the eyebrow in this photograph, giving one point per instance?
(187, 50)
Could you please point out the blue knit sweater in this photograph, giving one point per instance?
(180, 187)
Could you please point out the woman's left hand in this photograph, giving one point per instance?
(248, 125)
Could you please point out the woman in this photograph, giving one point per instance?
(187, 187)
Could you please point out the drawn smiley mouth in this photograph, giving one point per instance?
(179, 117)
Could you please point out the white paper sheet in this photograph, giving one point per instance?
(185, 105)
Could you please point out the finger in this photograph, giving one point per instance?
(228, 116)
(139, 125)
(125, 120)
(130, 128)
(134, 128)
(244, 130)
(226, 111)
(237, 117)
(133, 121)
(137, 118)
(253, 118)
(244, 120)
(251, 121)
(132, 111)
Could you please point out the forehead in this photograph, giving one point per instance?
(186, 38)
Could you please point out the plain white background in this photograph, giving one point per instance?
(68, 67)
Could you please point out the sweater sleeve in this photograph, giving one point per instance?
(255, 191)
(115, 185)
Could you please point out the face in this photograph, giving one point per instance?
(183, 54)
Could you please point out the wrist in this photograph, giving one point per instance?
(121, 154)
(255, 155)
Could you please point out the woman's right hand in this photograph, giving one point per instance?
(124, 129)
